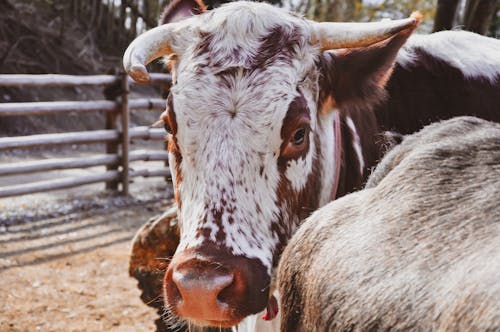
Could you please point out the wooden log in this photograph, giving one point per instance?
(81, 137)
(57, 164)
(21, 142)
(147, 133)
(48, 185)
(53, 164)
(148, 155)
(125, 135)
(112, 149)
(156, 104)
(49, 80)
(156, 78)
(149, 173)
(56, 107)
(55, 80)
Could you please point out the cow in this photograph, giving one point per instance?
(270, 117)
(417, 249)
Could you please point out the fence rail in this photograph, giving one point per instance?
(118, 152)
(71, 80)
(55, 107)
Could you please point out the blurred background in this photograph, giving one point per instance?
(89, 36)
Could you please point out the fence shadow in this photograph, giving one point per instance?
(48, 258)
(68, 236)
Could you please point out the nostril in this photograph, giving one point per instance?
(173, 291)
(204, 290)
(226, 293)
(232, 290)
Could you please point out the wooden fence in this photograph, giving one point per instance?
(118, 154)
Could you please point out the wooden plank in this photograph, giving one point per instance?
(41, 80)
(147, 133)
(21, 142)
(156, 78)
(82, 137)
(55, 80)
(48, 185)
(125, 135)
(53, 164)
(111, 148)
(148, 155)
(156, 104)
(57, 164)
(150, 173)
(57, 107)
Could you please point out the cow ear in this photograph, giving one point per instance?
(356, 77)
(179, 10)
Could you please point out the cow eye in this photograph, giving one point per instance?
(299, 136)
(297, 143)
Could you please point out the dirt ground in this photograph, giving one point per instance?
(69, 273)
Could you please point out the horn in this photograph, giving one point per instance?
(147, 47)
(334, 35)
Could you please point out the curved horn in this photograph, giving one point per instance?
(334, 35)
(147, 47)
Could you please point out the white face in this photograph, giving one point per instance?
(230, 143)
(231, 164)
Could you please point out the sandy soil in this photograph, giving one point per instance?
(70, 273)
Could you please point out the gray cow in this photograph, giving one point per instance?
(418, 249)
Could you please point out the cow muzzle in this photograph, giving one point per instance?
(210, 287)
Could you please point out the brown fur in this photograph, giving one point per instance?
(178, 10)
(417, 250)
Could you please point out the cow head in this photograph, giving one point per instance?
(250, 135)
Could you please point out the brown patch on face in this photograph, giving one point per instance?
(203, 46)
(279, 44)
(295, 206)
(169, 119)
(179, 10)
(328, 105)
(216, 218)
(295, 132)
(173, 148)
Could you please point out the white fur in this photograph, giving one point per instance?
(474, 55)
(356, 144)
(327, 156)
(299, 167)
(255, 323)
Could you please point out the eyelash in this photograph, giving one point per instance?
(299, 137)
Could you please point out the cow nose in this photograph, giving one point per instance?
(209, 286)
(198, 289)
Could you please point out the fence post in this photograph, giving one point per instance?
(112, 92)
(125, 133)
(111, 148)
